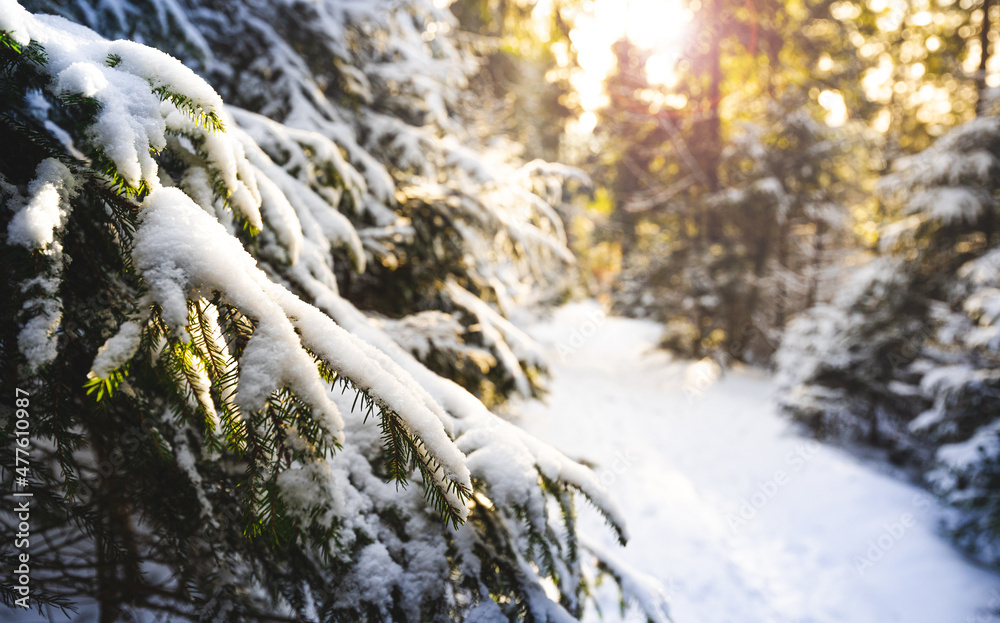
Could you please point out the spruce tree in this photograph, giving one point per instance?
(785, 182)
(216, 431)
(905, 359)
(372, 97)
(731, 195)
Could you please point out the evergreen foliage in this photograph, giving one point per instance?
(780, 222)
(217, 431)
(373, 113)
(731, 198)
(906, 356)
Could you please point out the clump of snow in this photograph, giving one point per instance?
(636, 586)
(179, 248)
(38, 338)
(12, 22)
(983, 446)
(226, 161)
(163, 71)
(187, 462)
(423, 332)
(118, 350)
(951, 205)
(984, 270)
(510, 342)
(128, 124)
(303, 487)
(35, 224)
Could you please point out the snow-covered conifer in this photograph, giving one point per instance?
(781, 218)
(906, 357)
(219, 432)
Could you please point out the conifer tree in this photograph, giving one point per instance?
(905, 359)
(740, 194)
(372, 96)
(785, 182)
(216, 431)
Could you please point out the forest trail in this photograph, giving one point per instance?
(741, 518)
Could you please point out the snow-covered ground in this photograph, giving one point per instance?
(742, 519)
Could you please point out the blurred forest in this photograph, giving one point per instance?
(731, 184)
(809, 187)
(805, 186)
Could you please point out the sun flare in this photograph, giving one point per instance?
(660, 26)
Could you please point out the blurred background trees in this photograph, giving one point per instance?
(737, 156)
(808, 186)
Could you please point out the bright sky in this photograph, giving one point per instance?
(658, 25)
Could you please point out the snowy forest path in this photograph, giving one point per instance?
(739, 516)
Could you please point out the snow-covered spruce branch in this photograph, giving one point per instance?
(180, 286)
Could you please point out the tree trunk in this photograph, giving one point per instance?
(817, 265)
(781, 294)
(713, 134)
(984, 55)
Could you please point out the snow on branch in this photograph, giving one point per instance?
(235, 338)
